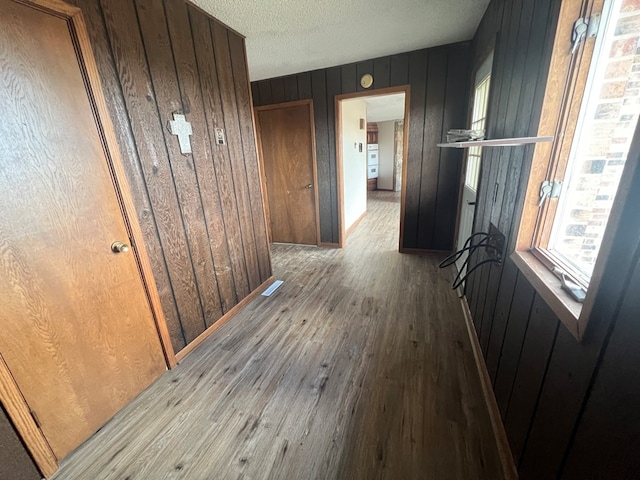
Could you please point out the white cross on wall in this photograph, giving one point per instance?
(182, 129)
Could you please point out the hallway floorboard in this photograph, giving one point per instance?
(358, 367)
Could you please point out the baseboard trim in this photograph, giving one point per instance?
(329, 245)
(355, 224)
(222, 320)
(506, 458)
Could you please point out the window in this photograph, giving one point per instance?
(478, 120)
(592, 104)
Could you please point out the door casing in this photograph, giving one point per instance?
(406, 89)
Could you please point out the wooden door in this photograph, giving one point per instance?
(286, 136)
(77, 330)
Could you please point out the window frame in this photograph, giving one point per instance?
(559, 119)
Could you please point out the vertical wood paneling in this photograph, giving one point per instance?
(212, 253)
(202, 35)
(211, 226)
(319, 91)
(135, 174)
(234, 141)
(450, 164)
(608, 438)
(566, 404)
(333, 88)
(498, 327)
(201, 213)
(349, 78)
(264, 87)
(158, 48)
(432, 176)
(418, 62)
(514, 337)
(361, 69)
(291, 88)
(250, 156)
(277, 90)
(255, 93)
(433, 124)
(382, 72)
(493, 275)
(133, 71)
(539, 338)
(400, 69)
(304, 86)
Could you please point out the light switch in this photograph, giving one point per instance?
(220, 136)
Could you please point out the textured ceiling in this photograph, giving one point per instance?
(382, 108)
(291, 36)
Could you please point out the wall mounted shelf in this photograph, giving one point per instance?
(498, 142)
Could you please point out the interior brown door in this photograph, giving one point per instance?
(76, 327)
(286, 135)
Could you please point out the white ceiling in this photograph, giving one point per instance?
(382, 108)
(291, 36)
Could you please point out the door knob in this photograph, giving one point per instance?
(308, 186)
(119, 247)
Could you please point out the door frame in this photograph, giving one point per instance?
(483, 57)
(314, 165)
(406, 89)
(10, 394)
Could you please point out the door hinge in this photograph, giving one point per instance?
(584, 28)
(35, 418)
(549, 190)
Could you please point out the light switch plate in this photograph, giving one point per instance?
(220, 140)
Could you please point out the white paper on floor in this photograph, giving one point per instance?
(272, 288)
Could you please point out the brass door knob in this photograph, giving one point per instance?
(308, 186)
(119, 247)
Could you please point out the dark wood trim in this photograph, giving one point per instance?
(502, 443)
(222, 320)
(314, 166)
(405, 161)
(406, 89)
(339, 169)
(275, 106)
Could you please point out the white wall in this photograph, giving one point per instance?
(386, 144)
(354, 162)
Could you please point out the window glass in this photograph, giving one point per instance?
(608, 118)
(478, 120)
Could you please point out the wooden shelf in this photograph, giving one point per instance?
(498, 142)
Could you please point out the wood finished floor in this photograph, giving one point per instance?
(358, 367)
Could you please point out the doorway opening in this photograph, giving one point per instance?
(372, 132)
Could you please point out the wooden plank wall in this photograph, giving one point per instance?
(569, 407)
(436, 76)
(201, 214)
